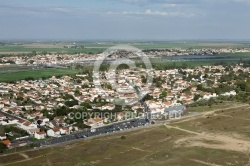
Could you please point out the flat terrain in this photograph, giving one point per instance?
(218, 137)
(21, 75)
(100, 47)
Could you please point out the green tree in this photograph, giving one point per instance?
(163, 94)
(2, 147)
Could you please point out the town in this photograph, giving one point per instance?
(42, 109)
(55, 60)
(125, 82)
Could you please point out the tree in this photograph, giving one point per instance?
(71, 103)
(200, 87)
(196, 97)
(2, 147)
(144, 79)
(86, 105)
(39, 122)
(163, 94)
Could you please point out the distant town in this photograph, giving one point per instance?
(53, 59)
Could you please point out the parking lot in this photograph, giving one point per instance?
(125, 125)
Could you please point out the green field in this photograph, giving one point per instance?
(21, 75)
(97, 47)
(236, 55)
(14, 49)
(191, 63)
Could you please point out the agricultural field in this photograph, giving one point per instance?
(215, 106)
(39, 73)
(233, 122)
(162, 65)
(25, 49)
(236, 55)
(218, 137)
(194, 45)
(94, 48)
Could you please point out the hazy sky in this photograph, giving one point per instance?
(125, 19)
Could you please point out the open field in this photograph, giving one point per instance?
(195, 45)
(40, 73)
(220, 139)
(233, 122)
(192, 63)
(22, 49)
(97, 47)
(236, 55)
(215, 106)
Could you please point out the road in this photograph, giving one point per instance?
(106, 130)
(11, 116)
(120, 126)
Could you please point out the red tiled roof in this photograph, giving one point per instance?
(41, 133)
(2, 135)
(6, 142)
(21, 121)
(56, 129)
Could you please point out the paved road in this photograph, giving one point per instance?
(97, 131)
(9, 115)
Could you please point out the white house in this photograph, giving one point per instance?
(32, 131)
(108, 106)
(207, 96)
(1, 106)
(2, 117)
(95, 122)
(9, 122)
(44, 121)
(55, 132)
(26, 125)
(2, 136)
(40, 135)
(64, 131)
(120, 116)
(231, 93)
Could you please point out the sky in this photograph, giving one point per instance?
(125, 19)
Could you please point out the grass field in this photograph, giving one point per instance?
(193, 63)
(232, 121)
(20, 75)
(220, 139)
(215, 106)
(154, 146)
(14, 49)
(236, 55)
(97, 48)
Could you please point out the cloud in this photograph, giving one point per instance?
(45, 11)
(177, 2)
(174, 5)
(170, 5)
(135, 1)
(27, 10)
(157, 13)
(242, 1)
(150, 12)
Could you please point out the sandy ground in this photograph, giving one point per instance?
(215, 141)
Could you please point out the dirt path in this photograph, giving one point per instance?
(24, 155)
(186, 119)
(23, 160)
(209, 140)
(204, 163)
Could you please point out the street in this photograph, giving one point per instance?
(125, 125)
